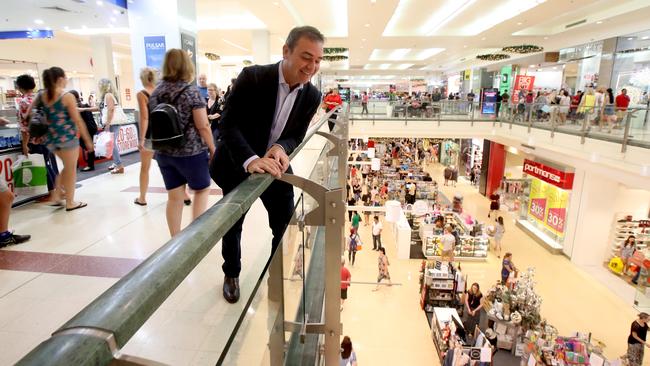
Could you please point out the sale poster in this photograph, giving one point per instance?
(537, 202)
(557, 201)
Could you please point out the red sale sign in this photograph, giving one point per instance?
(556, 218)
(538, 208)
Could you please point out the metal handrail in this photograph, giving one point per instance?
(580, 121)
(95, 335)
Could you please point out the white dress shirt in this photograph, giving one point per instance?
(283, 106)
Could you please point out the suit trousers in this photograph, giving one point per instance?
(278, 201)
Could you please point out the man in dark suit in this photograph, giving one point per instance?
(264, 120)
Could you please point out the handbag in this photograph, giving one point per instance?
(119, 117)
(38, 123)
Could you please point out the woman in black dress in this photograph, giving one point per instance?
(214, 109)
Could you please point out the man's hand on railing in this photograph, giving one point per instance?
(277, 153)
(265, 165)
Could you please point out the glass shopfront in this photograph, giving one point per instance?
(586, 59)
(544, 210)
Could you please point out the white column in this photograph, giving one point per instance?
(165, 18)
(261, 47)
(102, 53)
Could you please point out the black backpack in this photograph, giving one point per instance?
(165, 125)
(38, 123)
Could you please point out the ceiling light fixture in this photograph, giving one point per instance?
(276, 3)
(100, 3)
(398, 54)
(520, 23)
(599, 22)
(367, 25)
(646, 37)
(533, 65)
(113, 19)
(38, 21)
(630, 38)
(507, 9)
(545, 37)
(384, 66)
(444, 16)
(363, 39)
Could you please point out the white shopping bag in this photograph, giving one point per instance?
(30, 175)
(104, 144)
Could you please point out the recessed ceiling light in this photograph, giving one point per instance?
(367, 25)
(373, 1)
(363, 39)
(66, 27)
(520, 23)
(38, 21)
(100, 2)
(646, 37)
(483, 39)
(630, 38)
(113, 19)
(545, 37)
(554, 67)
(465, 46)
(533, 65)
(276, 3)
(599, 22)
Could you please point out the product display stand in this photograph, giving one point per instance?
(452, 340)
(471, 248)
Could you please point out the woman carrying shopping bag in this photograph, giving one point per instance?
(112, 118)
(64, 121)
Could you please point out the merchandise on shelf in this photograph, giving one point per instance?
(623, 228)
(473, 243)
(513, 192)
(438, 284)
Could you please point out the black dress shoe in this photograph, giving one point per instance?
(231, 289)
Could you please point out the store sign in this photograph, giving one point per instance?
(188, 43)
(548, 206)
(550, 175)
(489, 101)
(127, 140)
(154, 50)
(525, 82)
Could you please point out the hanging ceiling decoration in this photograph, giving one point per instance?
(524, 48)
(335, 57)
(212, 56)
(493, 57)
(334, 50)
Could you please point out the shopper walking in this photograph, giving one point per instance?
(495, 202)
(356, 219)
(499, 230)
(353, 245)
(60, 108)
(346, 277)
(448, 242)
(637, 340)
(607, 111)
(622, 102)
(507, 267)
(111, 119)
(34, 145)
(214, 109)
(332, 101)
(377, 227)
(565, 103)
(148, 79)
(348, 357)
(91, 126)
(188, 164)
(473, 308)
(382, 265)
(364, 103)
(627, 250)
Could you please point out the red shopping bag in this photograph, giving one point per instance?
(104, 144)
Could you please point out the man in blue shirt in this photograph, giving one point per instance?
(203, 86)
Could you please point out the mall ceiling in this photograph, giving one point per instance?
(399, 37)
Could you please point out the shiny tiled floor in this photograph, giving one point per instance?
(387, 327)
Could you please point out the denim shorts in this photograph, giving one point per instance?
(70, 144)
(178, 170)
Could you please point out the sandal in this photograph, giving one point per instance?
(78, 206)
(119, 170)
(139, 203)
(87, 169)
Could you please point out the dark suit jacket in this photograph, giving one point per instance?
(247, 118)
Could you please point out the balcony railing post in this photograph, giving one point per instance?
(471, 112)
(626, 133)
(585, 127)
(530, 118)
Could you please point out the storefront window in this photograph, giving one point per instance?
(587, 59)
(546, 200)
(632, 66)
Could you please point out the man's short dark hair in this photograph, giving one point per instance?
(308, 31)
(25, 82)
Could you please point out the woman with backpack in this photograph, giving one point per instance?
(91, 126)
(354, 242)
(64, 121)
(185, 163)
